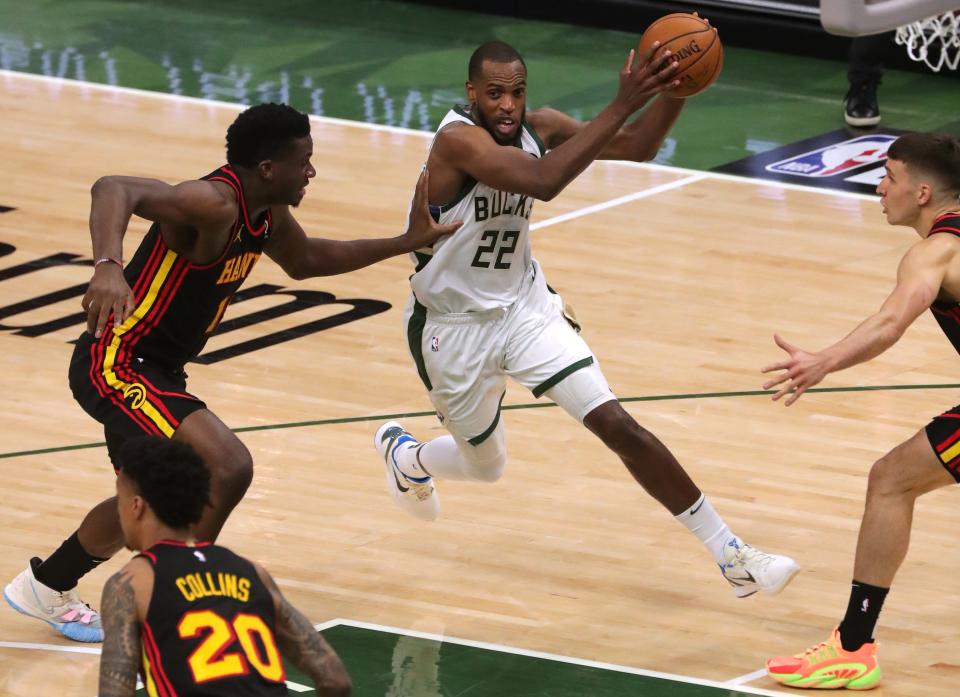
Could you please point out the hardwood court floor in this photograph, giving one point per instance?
(679, 291)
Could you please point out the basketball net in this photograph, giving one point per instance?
(934, 41)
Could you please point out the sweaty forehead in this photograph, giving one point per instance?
(510, 74)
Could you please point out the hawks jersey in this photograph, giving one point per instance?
(482, 265)
(178, 304)
(210, 626)
(947, 312)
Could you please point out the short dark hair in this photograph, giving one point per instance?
(170, 476)
(496, 51)
(936, 155)
(263, 132)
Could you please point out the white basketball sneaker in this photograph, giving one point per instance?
(65, 612)
(749, 570)
(415, 495)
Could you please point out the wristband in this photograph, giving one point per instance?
(104, 260)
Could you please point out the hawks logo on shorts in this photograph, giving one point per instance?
(135, 394)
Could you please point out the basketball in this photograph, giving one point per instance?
(695, 45)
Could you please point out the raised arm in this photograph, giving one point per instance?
(304, 257)
(302, 644)
(919, 279)
(120, 612)
(473, 151)
(639, 140)
(113, 201)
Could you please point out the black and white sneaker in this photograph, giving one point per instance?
(749, 570)
(860, 108)
(415, 495)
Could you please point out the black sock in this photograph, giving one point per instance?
(62, 569)
(863, 610)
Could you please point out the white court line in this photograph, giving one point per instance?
(48, 647)
(743, 179)
(653, 190)
(734, 683)
(693, 175)
(556, 657)
(8, 74)
(295, 686)
(748, 677)
(326, 625)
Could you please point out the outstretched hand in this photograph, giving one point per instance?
(642, 79)
(422, 229)
(800, 371)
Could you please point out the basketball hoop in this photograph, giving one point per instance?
(934, 41)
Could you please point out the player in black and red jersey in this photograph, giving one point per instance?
(921, 189)
(193, 617)
(145, 320)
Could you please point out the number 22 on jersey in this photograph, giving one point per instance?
(507, 241)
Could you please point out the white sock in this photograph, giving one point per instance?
(439, 458)
(703, 521)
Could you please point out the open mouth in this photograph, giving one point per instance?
(506, 126)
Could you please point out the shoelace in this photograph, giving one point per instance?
(85, 617)
(76, 608)
(821, 651)
(749, 554)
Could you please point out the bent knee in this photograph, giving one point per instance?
(232, 469)
(618, 430)
(891, 477)
(485, 464)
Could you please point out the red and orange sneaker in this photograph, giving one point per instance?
(827, 666)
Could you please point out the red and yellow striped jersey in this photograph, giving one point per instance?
(947, 312)
(178, 304)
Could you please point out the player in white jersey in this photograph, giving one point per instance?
(481, 308)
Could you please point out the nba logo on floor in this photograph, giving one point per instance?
(839, 158)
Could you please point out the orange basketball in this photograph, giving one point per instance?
(694, 44)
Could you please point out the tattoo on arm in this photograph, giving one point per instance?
(303, 645)
(300, 642)
(120, 658)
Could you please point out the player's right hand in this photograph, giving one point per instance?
(642, 79)
(108, 292)
(422, 229)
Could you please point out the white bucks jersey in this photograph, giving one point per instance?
(483, 264)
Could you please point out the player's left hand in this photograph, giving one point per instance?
(800, 372)
(422, 229)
